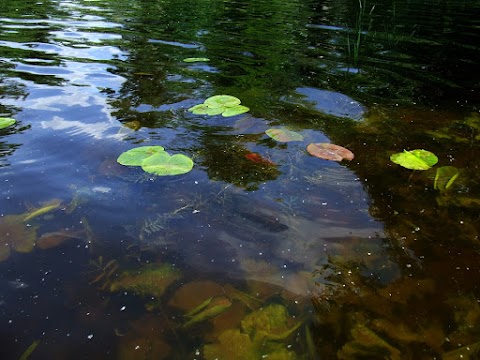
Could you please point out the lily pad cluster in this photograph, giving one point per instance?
(155, 160)
(226, 105)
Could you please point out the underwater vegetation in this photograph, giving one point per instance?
(151, 280)
(16, 232)
(377, 322)
(261, 335)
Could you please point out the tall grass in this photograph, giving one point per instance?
(353, 47)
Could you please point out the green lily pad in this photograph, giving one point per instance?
(235, 110)
(163, 164)
(202, 109)
(445, 177)
(195, 59)
(6, 122)
(415, 159)
(222, 101)
(284, 135)
(136, 156)
(220, 104)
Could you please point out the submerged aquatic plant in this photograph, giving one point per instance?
(211, 307)
(226, 105)
(17, 234)
(104, 272)
(445, 177)
(151, 280)
(258, 337)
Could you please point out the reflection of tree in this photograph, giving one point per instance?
(227, 160)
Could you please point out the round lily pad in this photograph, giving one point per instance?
(235, 110)
(6, 122)
(418, 159)
(162, 164)
(195, 59)
(329, 151)
(222, 101)
(136, 156)
(284, 135)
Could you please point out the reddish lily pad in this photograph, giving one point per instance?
(329, 151)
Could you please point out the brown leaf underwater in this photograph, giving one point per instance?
(329, 151)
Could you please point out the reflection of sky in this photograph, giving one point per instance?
(97, 130)
(86, 52)
(84, 92)
(330, 102)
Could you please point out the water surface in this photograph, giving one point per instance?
(354, 260)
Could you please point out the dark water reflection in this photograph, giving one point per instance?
(366, 259)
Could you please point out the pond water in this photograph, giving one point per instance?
(262, 250)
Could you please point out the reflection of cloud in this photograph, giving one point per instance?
(329, 102)
(99, 130)
(80, 52)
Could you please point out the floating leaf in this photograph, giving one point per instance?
(6, 122)
(195, 59)
(415, 159)
(163, 164)
(329, 151)
(202, 109)
(445, 177)
(284, 135)
(226, 105)
(222, 101)
(235, 110)
(135, 156)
